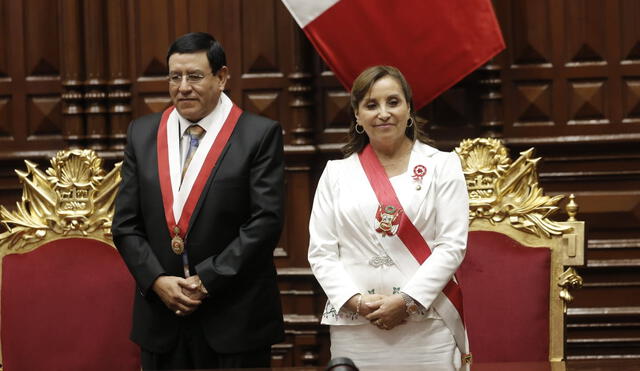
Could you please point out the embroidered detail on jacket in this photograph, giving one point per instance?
(331, 312)
(379, 261)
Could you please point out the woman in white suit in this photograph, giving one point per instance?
(382, 263)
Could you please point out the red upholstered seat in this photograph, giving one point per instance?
(506, 299)
(67, 306)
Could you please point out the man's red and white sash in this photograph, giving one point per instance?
(179, 200)
(449, 304)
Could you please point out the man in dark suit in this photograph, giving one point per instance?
(198, 215)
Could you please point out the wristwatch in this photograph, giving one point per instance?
(411, 305)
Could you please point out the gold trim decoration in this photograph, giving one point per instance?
(569, 279)
(74, 197)
(572, 208)
(500, 189)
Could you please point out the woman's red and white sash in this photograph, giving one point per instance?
(449, 305)
(179, 201)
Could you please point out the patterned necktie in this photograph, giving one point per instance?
(195, 132)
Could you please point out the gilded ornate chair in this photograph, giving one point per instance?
(517, 272)
(66, 296)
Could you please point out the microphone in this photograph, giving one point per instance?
(341, 364)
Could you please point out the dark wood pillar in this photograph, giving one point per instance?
(491, 100)
(119, 83)
(72, 71)
(95, 84)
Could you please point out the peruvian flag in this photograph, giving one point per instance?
(435, 43)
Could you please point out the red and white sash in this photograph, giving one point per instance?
(449, 305)
(180, 201)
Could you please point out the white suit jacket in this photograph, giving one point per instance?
(343, 239)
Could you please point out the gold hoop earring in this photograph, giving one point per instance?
(361, 131)
(410, 122)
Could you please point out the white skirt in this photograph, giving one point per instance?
(427, 342)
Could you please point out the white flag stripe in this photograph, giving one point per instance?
(305, 11)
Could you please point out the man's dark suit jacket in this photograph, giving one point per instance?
(232, 234)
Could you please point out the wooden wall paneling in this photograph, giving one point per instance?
(629, 52)
(263, 61)
(119, 78)
(208, 16)
(527, 81)
(42, 74)
(491, 100)
(302, 297)
(569, 86)
(95, 94)
(589, 96)
(6, 130)
(301, 105)
(8, 71)
(12, 93)
(490, 81)
(5, 30)
(72, 72)
(153, 23)
(333, 114)
(456, 113)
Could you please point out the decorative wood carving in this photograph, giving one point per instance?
(72, 71)
(491, 100)
(119, 83)
(95, 94)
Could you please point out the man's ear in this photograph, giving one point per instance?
(223, 75)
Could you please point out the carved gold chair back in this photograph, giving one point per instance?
(65, 293)
(509, 217)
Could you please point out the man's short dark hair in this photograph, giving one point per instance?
(197, 42)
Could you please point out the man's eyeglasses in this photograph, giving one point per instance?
(192, 78)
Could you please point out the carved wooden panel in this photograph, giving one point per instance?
(4, 30)
(629, 31)
(530, 32)
(203, 15)
(585, 32)
(154, 29)
(42, 55)
(119, 77)
(44, 116)
(336, 116)
(264, 103)
(260, 41)
(631, 96)
(533, 103)
(589, 104)
(582, 50)
(5, 122)
(152, 103)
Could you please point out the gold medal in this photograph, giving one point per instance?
(177, 243)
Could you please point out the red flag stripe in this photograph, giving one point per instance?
(434, 43)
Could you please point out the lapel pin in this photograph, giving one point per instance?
(418, 173)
